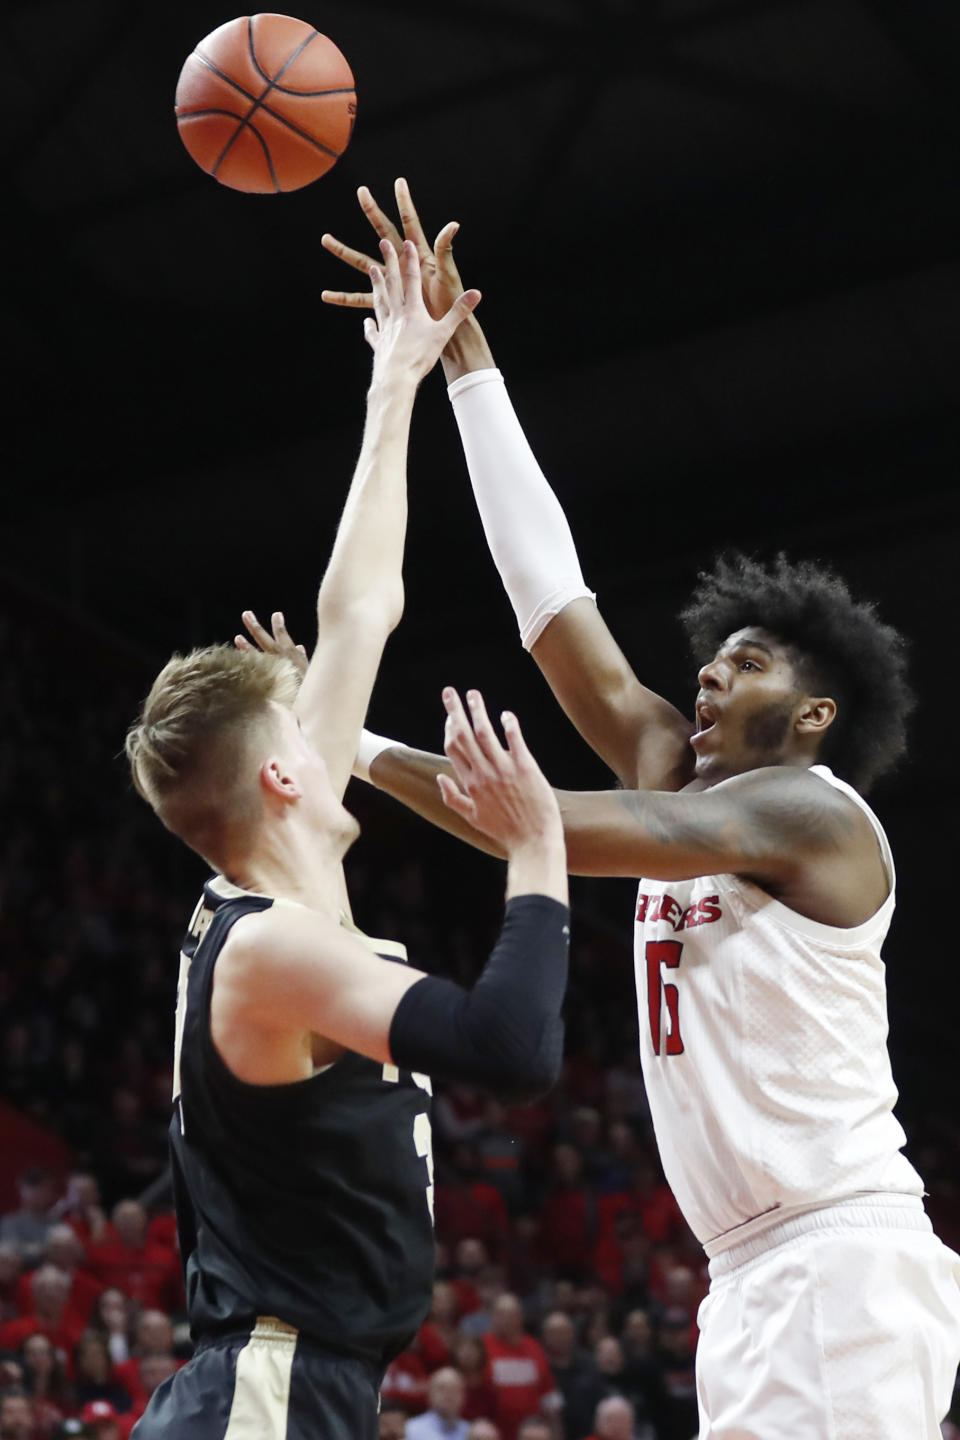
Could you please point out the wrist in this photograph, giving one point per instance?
(369, 747)
(466, 350)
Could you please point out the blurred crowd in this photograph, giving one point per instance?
(567, 1282)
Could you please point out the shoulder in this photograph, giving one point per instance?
(795, 800)
(263, 943)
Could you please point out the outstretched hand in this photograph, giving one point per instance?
(404, 335)
(439, 275)
(276, 641)
(499, 790)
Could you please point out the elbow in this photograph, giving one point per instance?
(534, 1076)
(377, 612)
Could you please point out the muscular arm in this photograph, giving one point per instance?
(783, 828)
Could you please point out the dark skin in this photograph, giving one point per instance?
(751, 808)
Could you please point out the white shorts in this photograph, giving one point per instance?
(839, 1324)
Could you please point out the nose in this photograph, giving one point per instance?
(710, 676)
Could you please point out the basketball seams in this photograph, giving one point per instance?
(328, 118)
(259, 105)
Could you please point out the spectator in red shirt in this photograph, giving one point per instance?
(146, 1272)
(65, 1250)
(439, 1331)
(50, 1292)
(517, 1368)
(470, 1358)
(81, 1209)
(569, 1214)
(470, 1260)
(154, 1335)
(152, 1370)
(405, 1382)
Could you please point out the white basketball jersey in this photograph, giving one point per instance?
(763, 1040)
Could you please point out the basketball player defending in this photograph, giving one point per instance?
(301, 1134)
(768, 888)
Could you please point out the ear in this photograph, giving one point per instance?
(278, 781)
(816, 716)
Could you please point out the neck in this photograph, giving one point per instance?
(307, 869)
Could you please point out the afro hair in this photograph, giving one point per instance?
(838, 645)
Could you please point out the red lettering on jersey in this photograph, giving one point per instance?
(657, 953)
(651, 908)
(670, 911)
(709, 910)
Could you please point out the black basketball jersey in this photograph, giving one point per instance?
(310, 1201)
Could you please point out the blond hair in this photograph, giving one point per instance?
(202, 734)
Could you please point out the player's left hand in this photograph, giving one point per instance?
(276, 641)
(438, 271)
(499, 789)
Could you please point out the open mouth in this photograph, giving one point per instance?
(706, 719)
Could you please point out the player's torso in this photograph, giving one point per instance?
(763, 1041)
(311, 1201)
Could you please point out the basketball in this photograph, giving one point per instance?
(266, 103)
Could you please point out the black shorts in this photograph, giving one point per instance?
(270, 1384)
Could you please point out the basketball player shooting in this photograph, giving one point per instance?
(766, 890)
(300, 1140)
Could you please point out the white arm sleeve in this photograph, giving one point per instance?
(526, 528)
(368, 748)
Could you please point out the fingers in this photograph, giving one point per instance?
(370, 332)
(409, 218)
(455, 800)
(352, 299)
(384, 227)
(458, 743)
(262, 636)
(471, 743)
(356, 258)
(483, 730)
(463, 306)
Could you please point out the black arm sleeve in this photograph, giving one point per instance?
(506, 1033)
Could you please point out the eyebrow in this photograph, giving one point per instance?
(750, 645)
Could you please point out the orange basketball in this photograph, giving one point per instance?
(266, 103)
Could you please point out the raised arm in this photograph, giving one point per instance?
(638, 734)
(361, 596)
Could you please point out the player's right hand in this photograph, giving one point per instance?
(499, 790)
(438, 271)
(404, 336)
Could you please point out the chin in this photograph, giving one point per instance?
(349, 830)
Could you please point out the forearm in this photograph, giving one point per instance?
(506, 1033)
(410, 776)
(365, 568)
(525, 527)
